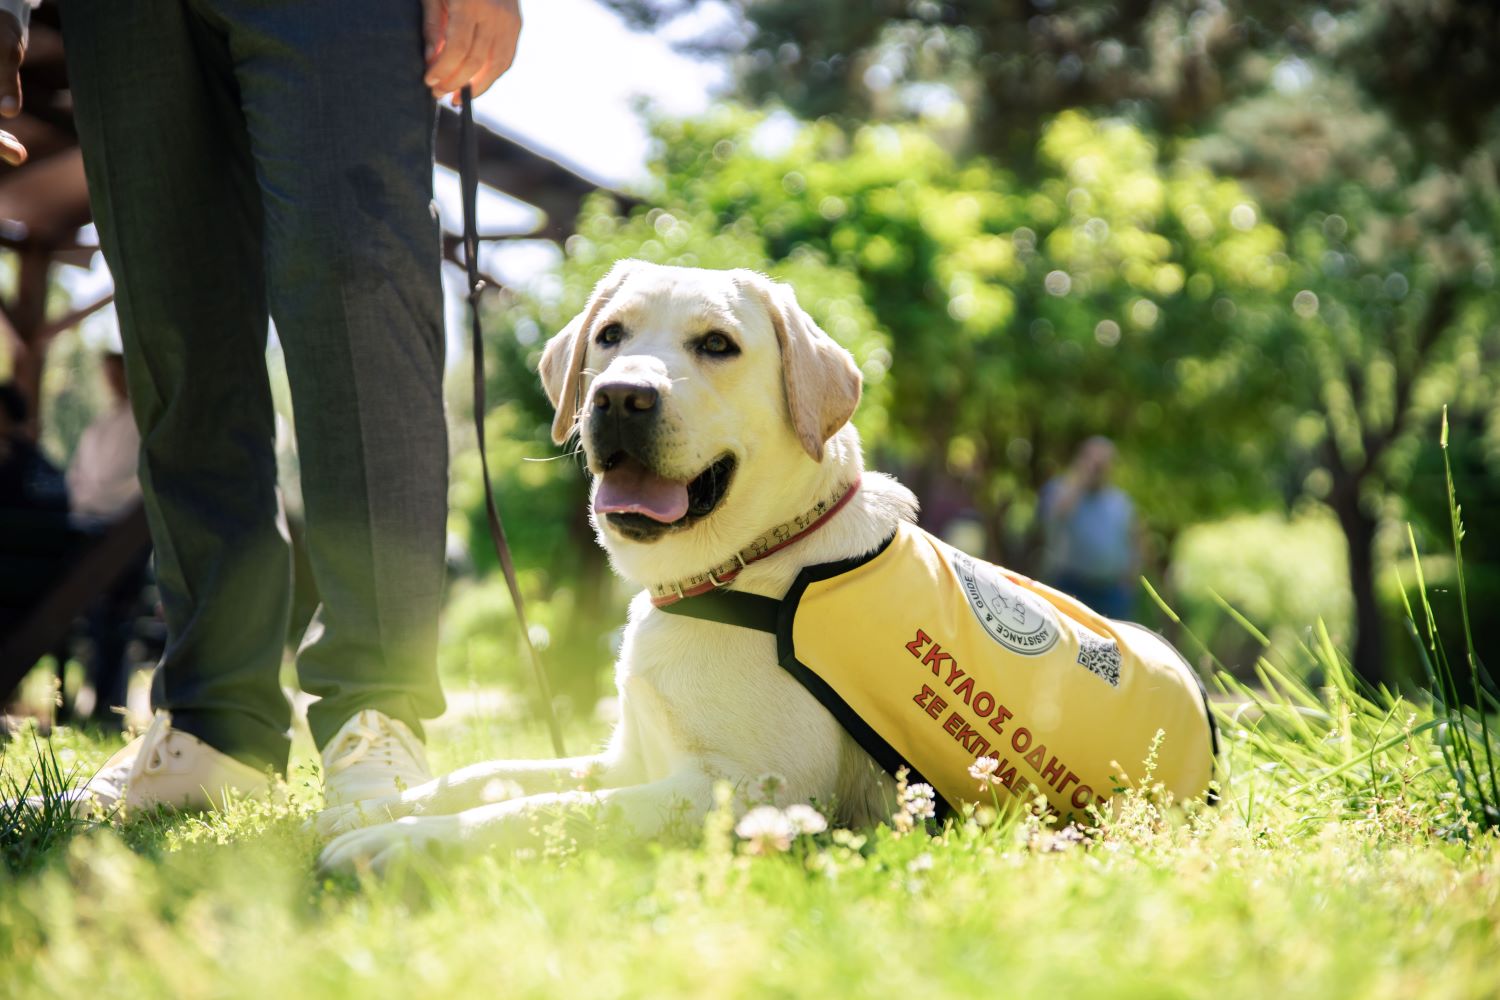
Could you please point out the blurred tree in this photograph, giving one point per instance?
(1389, 309)
(1005, 68)
(996, 72)
(1429, 63)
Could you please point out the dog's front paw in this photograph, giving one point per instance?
(375, 849)
(336, 820)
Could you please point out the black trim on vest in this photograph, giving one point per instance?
(1211, 796)
(871, 742)
(729, 607)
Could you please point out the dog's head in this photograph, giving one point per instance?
(704, 401)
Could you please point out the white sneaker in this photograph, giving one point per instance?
(164, 767)
(373, 756)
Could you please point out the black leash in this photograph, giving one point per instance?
(468, 175)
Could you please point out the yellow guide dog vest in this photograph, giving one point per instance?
(932, 659)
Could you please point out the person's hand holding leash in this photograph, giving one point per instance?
(12, 51)
(469, 43)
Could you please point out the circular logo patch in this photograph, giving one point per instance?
(1019, 621)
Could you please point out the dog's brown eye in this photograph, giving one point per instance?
(610, 335)
(714, 342)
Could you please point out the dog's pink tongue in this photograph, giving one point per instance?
(630, 488)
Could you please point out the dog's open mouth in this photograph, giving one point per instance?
(643, 504)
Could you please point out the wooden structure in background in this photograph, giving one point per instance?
(43, 205)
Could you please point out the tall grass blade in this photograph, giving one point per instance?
(35, 816)
(1455, 523)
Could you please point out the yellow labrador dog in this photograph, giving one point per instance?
(711, 410)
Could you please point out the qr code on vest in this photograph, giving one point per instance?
(1100, 657)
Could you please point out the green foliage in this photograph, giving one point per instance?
(992, 74)
(1416, 57)
(479, 643)
(1354, 746)
(1389, 267)
(1281, 572)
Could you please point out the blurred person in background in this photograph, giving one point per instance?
(250, 160)
(1089, 533)
(102, 481)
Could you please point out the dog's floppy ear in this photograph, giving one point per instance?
(556, 358)
(561, 367)
(822, 381)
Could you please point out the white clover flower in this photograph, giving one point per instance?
(914, 803)
(765, 830)
(805, 819)
(1065, 838)
(983, 770)
(921, 863)
(919, 801)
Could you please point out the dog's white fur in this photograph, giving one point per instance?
(700, 702)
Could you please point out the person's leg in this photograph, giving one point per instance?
(106, 666)
(179, 218)
(1112, 600)
(112, 630)
(341, 128)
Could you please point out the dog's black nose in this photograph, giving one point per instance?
(625, 399)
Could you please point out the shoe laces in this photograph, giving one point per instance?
(150, 758)
(375, 740)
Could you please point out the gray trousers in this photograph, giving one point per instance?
(255, 159)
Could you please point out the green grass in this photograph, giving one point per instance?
(1342, 863)
(1355, 854)
(1334, 889)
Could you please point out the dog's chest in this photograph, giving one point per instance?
(715, 692)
